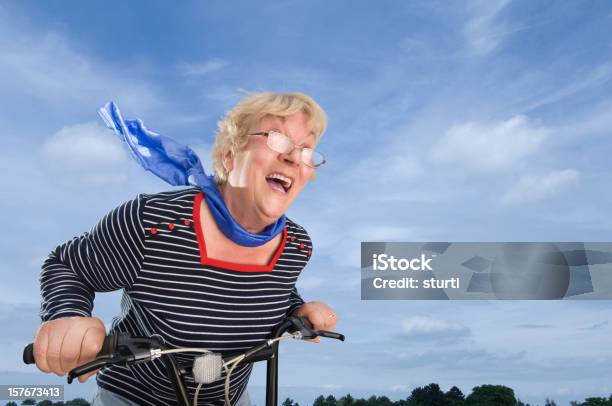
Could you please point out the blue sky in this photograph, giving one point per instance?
(449, 121)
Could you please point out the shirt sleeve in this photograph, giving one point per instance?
(295, 301)
(106, 258)
(302, 240)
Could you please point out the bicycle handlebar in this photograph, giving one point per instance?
(126, 349)
(140, 346)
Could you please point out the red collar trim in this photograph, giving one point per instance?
(204, 260)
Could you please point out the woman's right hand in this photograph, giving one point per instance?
(63, 344)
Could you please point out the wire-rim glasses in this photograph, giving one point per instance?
(279, 142)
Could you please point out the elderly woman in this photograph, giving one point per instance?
(211, 266)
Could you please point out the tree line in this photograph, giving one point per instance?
(430, 395)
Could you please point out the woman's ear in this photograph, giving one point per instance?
(228, 161)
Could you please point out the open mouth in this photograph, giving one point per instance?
(279, 182)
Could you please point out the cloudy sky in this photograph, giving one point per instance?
(449, 121)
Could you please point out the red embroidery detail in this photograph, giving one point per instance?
(309, 252)
(186, 222)
(293, 238)
(301, 245)
(171, 226)
(153, 230)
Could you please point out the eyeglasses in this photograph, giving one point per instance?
(279, 142)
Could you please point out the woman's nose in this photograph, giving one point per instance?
(292, 157)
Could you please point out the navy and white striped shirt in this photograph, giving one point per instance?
(153, 248)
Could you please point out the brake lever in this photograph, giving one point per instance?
(86, 368)
(120, 349)
(331, 334)
(302, 326)
(305, 328)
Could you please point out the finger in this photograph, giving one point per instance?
(56, 337)
(85, 377)
(71, 347)
(317, 319)
(41, 343)
(91, 344)
(330, 321)
(314, 340)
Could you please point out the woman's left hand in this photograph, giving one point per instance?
(320, 315)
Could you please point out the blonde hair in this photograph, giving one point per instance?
(232, 134)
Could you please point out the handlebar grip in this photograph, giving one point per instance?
(108, 347)
(28, 354)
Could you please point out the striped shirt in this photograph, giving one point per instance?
(153, 248)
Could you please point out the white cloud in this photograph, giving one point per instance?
(533, 187)
(225, 95)
(423, 326)
(596, 326)
(203, 68)
(389, 165)
(598, 76)
(311, 282)
(331, 386)
(482, 32)
(414, 47)
(596, 121)
(345, 249)
(489, 147)
(47, 66)
(86, 153)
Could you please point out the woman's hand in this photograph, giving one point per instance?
(320, 315)
(63, 344)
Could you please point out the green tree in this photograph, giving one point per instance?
(81, 402)
(430, 395)
(372, 401)
(288, 402)
(330, 400)
(384, 401)
(11, 404)
(455, 397)
(28, 402)
(597, 402)
(319, 401)
(360, 402)
(45, 402)
(550, 402)
(487, 395)
(346, 400)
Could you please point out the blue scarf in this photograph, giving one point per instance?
(180, 166)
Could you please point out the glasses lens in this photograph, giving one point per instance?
(312, 158)
(279, 142)
(283, 145)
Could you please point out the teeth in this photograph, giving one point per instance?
(285, 180)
